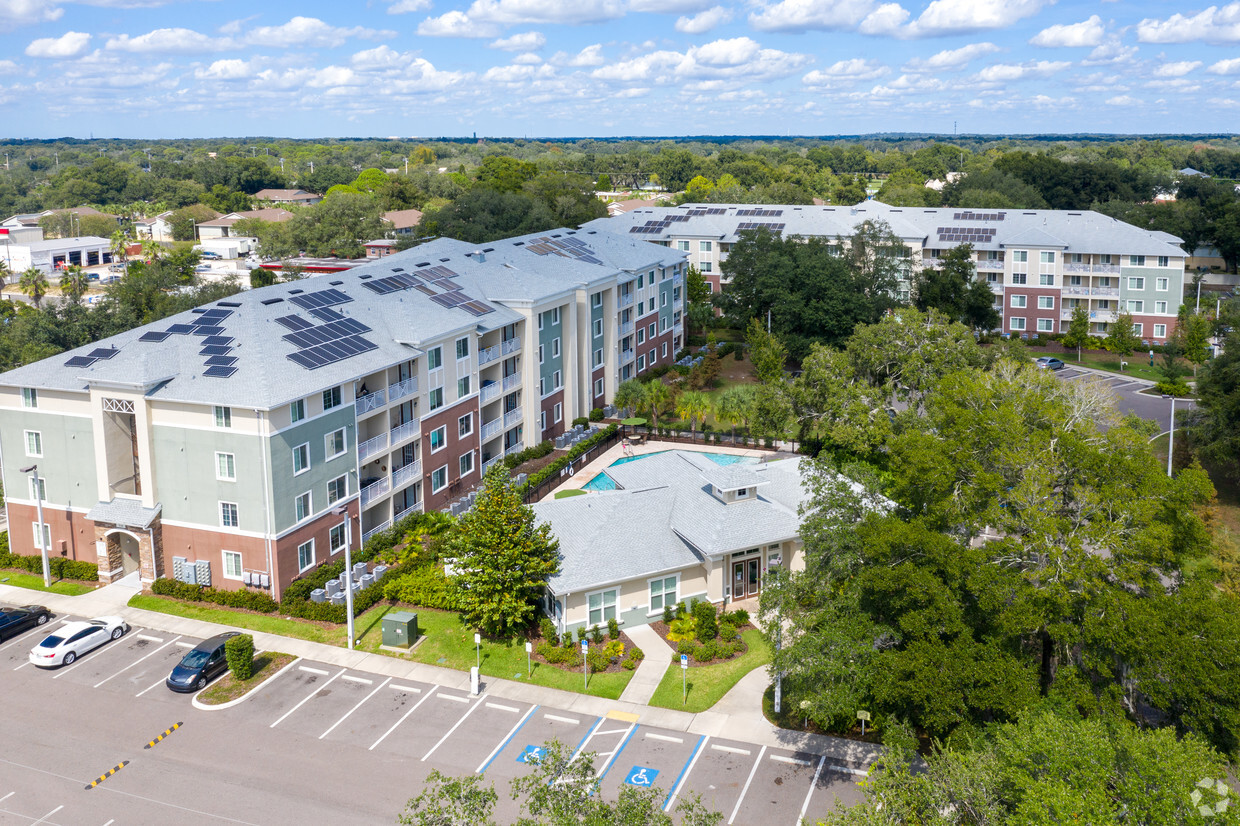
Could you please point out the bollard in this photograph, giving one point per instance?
(473, 681)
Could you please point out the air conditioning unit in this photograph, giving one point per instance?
(204, 572)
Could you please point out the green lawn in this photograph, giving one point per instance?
(447, 642)
(708, 683)
(1138, 364)
(34, 582)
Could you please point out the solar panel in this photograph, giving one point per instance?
(322, 298)
(293, 322)
(215, 350)
(217, 314)
(219, 372)
(326, 314)
(315, 357)
(221, 361)
(217, 340)
(80, 361)
(306, 361)
(208, 331)
(181, 329)
(103, 352)
(153, 336)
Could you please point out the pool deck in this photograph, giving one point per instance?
(582, 477)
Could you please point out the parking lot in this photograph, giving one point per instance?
(1129, 398)
(389, 732)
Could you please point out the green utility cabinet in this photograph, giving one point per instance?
(400, 629)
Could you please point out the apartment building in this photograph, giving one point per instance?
(253, 436)
(1040, 264)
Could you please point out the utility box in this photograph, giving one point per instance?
(400, 629)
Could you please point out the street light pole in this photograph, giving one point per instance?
(348, 569)
(1171, 435)
(43, 538)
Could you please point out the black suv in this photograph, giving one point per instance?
(13, 621)
(201, 665)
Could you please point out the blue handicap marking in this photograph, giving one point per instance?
(532, 754)
(641, 776)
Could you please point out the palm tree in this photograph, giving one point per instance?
(735, 406)
(5, 272)
(152, 251)
(654, 399)
(33, 282)
(119, 247)
(73, 283)
(628, 396)
(693, 405)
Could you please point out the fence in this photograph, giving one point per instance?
(535, 493)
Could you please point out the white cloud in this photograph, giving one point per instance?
(1122, 100)
(69, 44)
(1230, 66)
(799, 15)
(524, 42)
(845, 71)
(1005, 72)
(1047, 102)
(173, 41)
(669, 6)
(309, 32)
(1110, 52)
(26, 12)
(331, 77)
(232, 69)
(704, 21)
(1178, 69)
(527, 59)
(589, 56)
(1214, 25)
(406, 6)
(8, 67)
(380, 58)
(1086, 33)
(960, 16)
(735, 61)
(455, 24)
(950, 58)
(525, 12)
(886, 19)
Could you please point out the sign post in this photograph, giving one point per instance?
(478, 648)
(585, 663)
(529, 646)
(684, 678)
(863, 716)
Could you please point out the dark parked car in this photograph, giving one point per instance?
(201, 665)
(1050, 363)
(13, 621)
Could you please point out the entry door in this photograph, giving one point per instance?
(754, 573)
(745, 578)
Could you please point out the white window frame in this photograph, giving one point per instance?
(444, 486)
(434, 402)
(641, 363)
(1160, 331)
(1162, 284)
(1020, 278)
(1136, 282)
(598, 358)
(1020, 302)
(1160, 307)
(1046, 302)
(1164, 261)
(344, 443)
(555, 316)
(236, 514)
(302, 568)
(540, 354)
(704, 246)
(343, 495)
(555, 347)
(1021, 256)
(598, 388)
(462, 387)
(333, 548)
(707, 266)
(557, 413)
(663, 594)
(297, 411)
(663, 299)
(235, 557)
(43, 542)
(641, 335)
(307, 510)
(1014, 326)
(557, 380)
(34, 447)
(1046, 325)
(1136, 260)
(460, 464)
(1047, 257)
(223, 416)
(682, 246)
(30, 397)
(664, 354)
(464, 339)
(443, 442)
(219, 466)
(304, 446)
(1136, 305)
(41, 492)
(598, 328)
(596, 300)
(332, 398)
(1137, 327)
(602, 607)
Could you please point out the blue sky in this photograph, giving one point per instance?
(551, 68)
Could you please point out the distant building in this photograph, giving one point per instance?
(56, 254)
(158, 228)
(379, 248)
(403, 221)
(298, 197)
(222, 227)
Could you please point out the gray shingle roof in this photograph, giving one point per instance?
(126, 512)
(733, 477)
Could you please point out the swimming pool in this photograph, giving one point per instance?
(604, 482)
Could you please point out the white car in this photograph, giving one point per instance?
(73, 639)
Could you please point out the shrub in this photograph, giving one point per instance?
(596, 635)
(581, 420)
(614, 650)
(683, 628)
(739, 354)
(685, 647)
(554, 468)
(681, 609)
(738, 617)
(567, 640)
(240, 653)
(555, 655)
(596, 415)
(581, 633)
(426, 585)
(536, 452)
(1174, 388)
(705, 652)
(668, 614)
(59, 567)
(707, 625)
(727, 631)
(629, 663)
(598, 661)
(613, 629)
(547, 629)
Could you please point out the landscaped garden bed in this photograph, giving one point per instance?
(229, 687)
(703, 634)
(608, 652)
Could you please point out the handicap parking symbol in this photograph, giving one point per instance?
(532, 754)
(641, 776)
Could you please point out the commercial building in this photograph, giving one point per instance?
(56, 254)
(1041, 264)
(296, 197)
(239, 436)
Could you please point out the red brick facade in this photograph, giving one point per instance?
(73, 535)
(450, 454)
(547, 408)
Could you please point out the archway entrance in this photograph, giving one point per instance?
(130, 553)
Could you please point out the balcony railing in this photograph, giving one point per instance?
(1108, 268)
(1076, 266)
(371, 447)
(515, 448)
(513, 417)
(487, 464)
(512, 382)
(383, 526)
(416, 507)
(401, 432)
(373, 401)
(991, 264)
(626, 328)
(931, 263)
(626, 299)
(400, 389)
(627, 355)
(376, 489)
(488, 355)
(1075, 289)
(490, 392)
(1102, 315)
(405, 475)
(510, 345)
(492, 429)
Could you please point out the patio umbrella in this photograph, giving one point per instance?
(634, 422)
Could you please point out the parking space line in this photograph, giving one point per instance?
(472, 709)
(306, 699)
(402, 719)
(613, 731)
(23, 665)
(318, 671)
(795, 761)
(143, 691)
(405, 688)
(557, 718)
(98, 651)
(110, 822)
(31, 632)
(684, 772)
(355, 708)
(498, 707)
(7, 796)
(361, 680)
(46, 816)
(504, 742)
(582, 744)
(149, 638)
(611, 759)
(454, 697)
(655, 736)
(849, 770)
(732, 750)
(186, 644)
(132, 664)
(812, 785)
(745, 789)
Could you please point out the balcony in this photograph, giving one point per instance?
(376, 489)
(515, 448)
(509, 346)
(626, 299)
(409, 473)
(1075, 289)
(489, 462)
(990, 265)
(512, 382)
(488, 355)
(627, 356)
(373, 401)
(513, 417)
(402, 432)
(931, 263)
(400, 389)
(996, 287)
(492, 429)
(626, 328)
(416, 507)
(1107, 268)
(1073, 266)
(372, 447)
(1104, 316)
(382, 526)
(489, 392)
(677, 280)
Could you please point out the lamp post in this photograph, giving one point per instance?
(343, 510)
(43, 538)
(1171, 433)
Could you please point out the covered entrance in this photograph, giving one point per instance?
(128, 538)
(746, 577)
(129, 551)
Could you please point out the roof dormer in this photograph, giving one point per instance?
(734, 483)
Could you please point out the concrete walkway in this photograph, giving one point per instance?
(650, 671)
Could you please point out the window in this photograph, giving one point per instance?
(1160, 306)
(301, 507)
(641, 308)
(439, 438)
(557, 413)
(223, 416)
(1136, 306)
(228, 515)
(540, 354)
(708, 267)
(305, 555)
(1161, 284)
(337, 489)
(542, 420)
(1135, 283)
(602, 604)
(1019, 278)
(598, 328)
(640, 280)
(337, 538)
(1160, 331)
(436, 398)
(556, 380)
(462, 387)
(650, 357)
(1136, 328)
(38, 492)
(462, 348)
(641, 335)
(555, 316)
(1136, 260)
(555, 348)
(465, 425)
(434, 358)
(598, 388)
(540, 320)
(44, 541)
(301, 458)
(703, 246)
(663, 299)
(683, 246)
(1046, 279)
(1164, 261)
(334, 443)
(297, 411)
(1046, 325)
(331, 398)
(641, 363)
(225, 467)
(232, 565)
(1018, 324)
(439, 479)
(1046, 302)
(30, 397)
(34, 443)
(1020, 301)
(1020, 255)
(1075, 281)
(1048, 257)
(596, 300)
(597, 358)
(1105, 259)
(467, 463)
(650, 330)
(662, 593)
(664, 353)
(542, 386)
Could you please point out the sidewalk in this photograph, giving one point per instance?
(737, 716)
(652, 668)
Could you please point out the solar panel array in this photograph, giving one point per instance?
(435, 282)
(707, 211)
(979, 216)
(759, 225)
(760, 213)
(967, 235)
(208, 324)
(570, 247)
(322, 298)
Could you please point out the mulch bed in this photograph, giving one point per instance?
(661, 628)
(612, 668)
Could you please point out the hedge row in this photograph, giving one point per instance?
(61, 568)
(577, 450)
(426, 586)
(536, 452)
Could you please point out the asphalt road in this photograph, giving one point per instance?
(1129, 398)
(323, 744)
